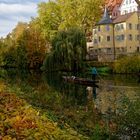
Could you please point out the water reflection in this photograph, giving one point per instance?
(91, 98)
(72, 101)
(108, 96)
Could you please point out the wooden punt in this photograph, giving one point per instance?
(81, 81)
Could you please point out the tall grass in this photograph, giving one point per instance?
(128, 64)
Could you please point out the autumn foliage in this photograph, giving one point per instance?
(18, 120)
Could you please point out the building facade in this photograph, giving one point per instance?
(113, 38)
(117, 33)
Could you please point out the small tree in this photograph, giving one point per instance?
(21, 58)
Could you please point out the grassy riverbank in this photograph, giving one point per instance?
(19, 120)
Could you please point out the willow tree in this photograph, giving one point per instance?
(68, 51)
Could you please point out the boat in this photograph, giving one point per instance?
(81, 81)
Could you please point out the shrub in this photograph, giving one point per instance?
(128, 64)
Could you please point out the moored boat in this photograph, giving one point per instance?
(82, 81)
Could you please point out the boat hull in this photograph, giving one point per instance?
(81, 81)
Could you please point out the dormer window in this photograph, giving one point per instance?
(107, 28)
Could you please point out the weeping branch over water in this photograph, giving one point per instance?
(68, 51)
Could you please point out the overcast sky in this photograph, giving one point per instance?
(12, 11)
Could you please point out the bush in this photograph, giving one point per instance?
(9, 58)
(129, 120)
(128, 64)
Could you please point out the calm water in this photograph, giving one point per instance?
(69, 102)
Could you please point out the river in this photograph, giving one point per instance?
(69, 103)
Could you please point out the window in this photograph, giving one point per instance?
(138, 49)
(108, 50)
(95, 31)
(114, 14)
(123, 49)
(99, 28)
(99, 39)
(122, 27)
(118, 50)
(130, 37)
(108, 38)
(117, 37)
(107, 27)
(122, 37)
(95, 41)
(130, 26)
(138, 26)
(134, 10)
(125, 12)
(138, 37)
(117, 27)
(99, 50)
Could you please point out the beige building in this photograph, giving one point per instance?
(114, 38)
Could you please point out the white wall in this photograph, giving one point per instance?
(128, 6)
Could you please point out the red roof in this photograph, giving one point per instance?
(112, 3)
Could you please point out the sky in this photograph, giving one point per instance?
(13, 11)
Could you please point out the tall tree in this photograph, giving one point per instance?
(21, 53)
(18, 30)
(80, 13)
(50, 18)
(63, 14)
(36, 45)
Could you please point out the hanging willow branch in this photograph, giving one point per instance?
(68, 51)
